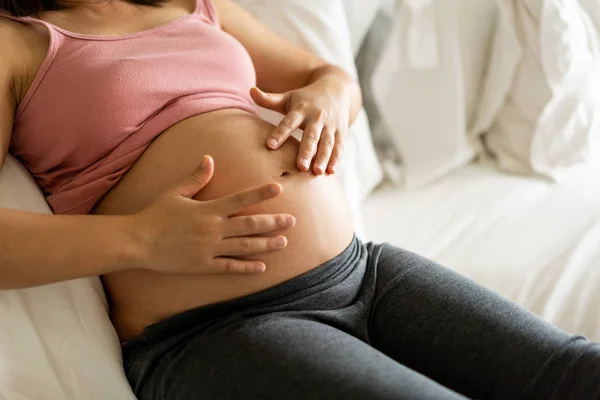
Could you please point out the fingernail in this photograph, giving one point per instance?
(272, 143)
(333, 167)
(274, 189)
(204, 163)
(259, 268)
(320, 168)
(304, 163)
(280, 242)
(290, 221)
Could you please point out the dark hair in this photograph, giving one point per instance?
(23, 8)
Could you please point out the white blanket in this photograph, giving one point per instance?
(535, 242)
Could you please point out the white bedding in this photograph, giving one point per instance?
(535, 242)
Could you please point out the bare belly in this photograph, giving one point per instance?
(236, 141)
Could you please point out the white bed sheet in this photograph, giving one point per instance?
(535, 242)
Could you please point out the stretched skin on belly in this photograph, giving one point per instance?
(236, 141)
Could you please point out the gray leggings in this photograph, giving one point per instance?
(375, 322)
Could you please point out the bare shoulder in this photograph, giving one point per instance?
(25, 47)
(8, 103)
(12, 32)
(227, 10)
(21, 38)
(9, 38)
(8, 30)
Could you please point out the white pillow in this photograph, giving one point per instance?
(592, 8)
(549, 122)
(360, 15)
(428, 80)
(56, 341)
(321, 26)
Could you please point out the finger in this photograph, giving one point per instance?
(324, 151)
(338, 151)
(284, 130)
(233, 203)
(224, 265)
(308, 146)
(251, 245)
(257, 224)
(194, 182)
(273, 101)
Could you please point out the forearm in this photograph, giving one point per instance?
(345, 82)
(37, 249)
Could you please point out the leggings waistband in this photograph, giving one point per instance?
(316, 280)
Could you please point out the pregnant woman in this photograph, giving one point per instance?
(224, 244)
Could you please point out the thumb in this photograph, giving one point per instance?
(195, 181)
(272, 101)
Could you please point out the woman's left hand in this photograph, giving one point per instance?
(322, 109)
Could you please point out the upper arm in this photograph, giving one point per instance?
(7, 111)
(280, 65)
(7, 97)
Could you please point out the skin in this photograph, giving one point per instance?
(236, 233)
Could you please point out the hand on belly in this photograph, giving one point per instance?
(202, 237)
(236, 142)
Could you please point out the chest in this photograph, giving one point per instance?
(97, 91)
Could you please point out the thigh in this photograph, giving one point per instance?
(284, 358)
(466, 337)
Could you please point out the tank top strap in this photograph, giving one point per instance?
(29, 20)
(207, 10)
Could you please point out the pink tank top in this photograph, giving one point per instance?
(97, 102)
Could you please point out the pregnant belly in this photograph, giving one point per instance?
(236, 141)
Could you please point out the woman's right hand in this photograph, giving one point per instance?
(186, 236)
